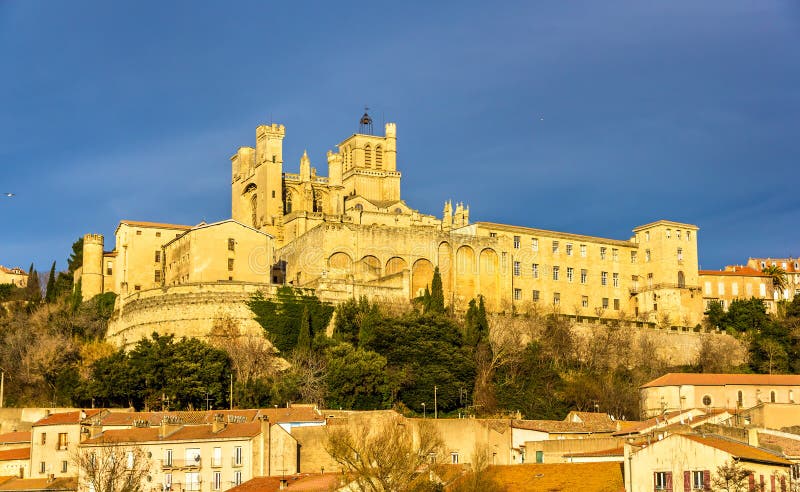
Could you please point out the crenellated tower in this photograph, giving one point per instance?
(92, 275)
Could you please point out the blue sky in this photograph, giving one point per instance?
(586, 117)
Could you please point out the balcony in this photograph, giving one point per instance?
(181, 464)
(237, 463)
(664, 285)
(216, 462)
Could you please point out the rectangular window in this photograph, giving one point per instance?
(660, 480)
(192, 481)
(62, 441)
(585, 301)
(698, 480)
(237, 455)
(157, 256)
(602, 252)
(158, 234)
(516, 269)
(569, 274)
(649, 280)
(555, 247)
(677, 233)
(216, 457)
(230, 264)
(535, 244)
(168, 457)
(569, 249)
(584, 274)
(535, 296)
(138, 233)
(708, 287)
(555, 273)
(616, 304)
(735, 289)
(615, 254)
(64, 467)
(605, 303)
(583, 251)
(615, 279)
(635, 282)
(633, 256)
(157, 276)
(680, 254)
(42, 467)
(44, 438)
(603, 278)
(131, 460)
(535, 270)
(646, 255)
(237, 478)
(556, 298)
(516, 242)
(167, 481)
(109, 268)
(669, 233)
(647, 236)
(216, 482)
(454, 458)
(517, 294)
(721, 288)
(688, 235)
(137, 287)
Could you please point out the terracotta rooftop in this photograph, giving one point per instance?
(789, 446)
(184, 433)
(547, 477)
(600, 453)
(40, 484)
(67, 417)
(13, 270)
(737, 271)
(298, 413)
(675, 379)
(790, 262)
(15, 437)
(304, 482)
(155, 225)
(738, 450)
(15, 454)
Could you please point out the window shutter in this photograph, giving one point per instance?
(772, 483)
(655, 481)
(687, 481)
(706, 480)
(752, 479)
(669, 482)
(783, 484)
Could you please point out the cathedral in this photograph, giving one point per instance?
(350, 233)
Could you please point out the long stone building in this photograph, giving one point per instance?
(350, 233)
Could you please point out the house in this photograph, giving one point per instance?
(532, 440)
(584, 477)
(691, 462)
(678, 391)
(54, 440)
(15, 484)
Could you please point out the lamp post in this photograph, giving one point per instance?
(423, 410)
(435, 406)
(2, 385)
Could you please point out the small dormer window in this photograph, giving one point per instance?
(359, 207)
(398, 211)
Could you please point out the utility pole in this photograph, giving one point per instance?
(2, 386)
(435, 405)
(231, 391)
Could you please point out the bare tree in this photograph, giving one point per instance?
(110, 466)
(252, 355)
(731, 477)
(477, 479)
(387, 457)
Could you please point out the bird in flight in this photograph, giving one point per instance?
(9, 195)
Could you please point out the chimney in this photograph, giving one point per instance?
(94, 430)
(752, 436)
(265, 446)
(51, 478)
(169, 424)
(218, 424)
(284, 484)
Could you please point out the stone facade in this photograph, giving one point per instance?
(14, 276)
(351, 234)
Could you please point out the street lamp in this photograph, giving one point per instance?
(423, 410)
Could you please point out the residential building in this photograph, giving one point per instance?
(54, 441)
(690, 462)
(789, 265)
(678, 391)
(14, 276)
(736, 282)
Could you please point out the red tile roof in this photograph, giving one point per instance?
(738, 450)
(546, 477)
(738, 271)
(600, 453)
(302, 483)
(156, 225)
(184, 433)
(675, 379)
(67, 417)
(40, 484)
(15, 437)
(788, 445)
(15, 454)
(13, 270)
(790, 262)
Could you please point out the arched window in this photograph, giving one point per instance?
(681, 280)
(367, 156)
(378, 157)
(359, 207)
(287, 202)
(254, 209)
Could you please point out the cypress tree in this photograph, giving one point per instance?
(437, 293)
(50, 294)
(75, 259)
(304, 335)
(33, 290)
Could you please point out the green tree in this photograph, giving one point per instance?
(747, 315)
(436, 304)
(356, 378)
(778, 274)
(531, 386)
(50, 293)
(476, 326)
(33, 291)
(75, 259)
(355, 320)
(281, 317)
(304, 335)
(715, 314)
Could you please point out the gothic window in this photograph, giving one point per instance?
(254, 209)
(378, 157)
(367, 156)
(287, 202)
(317, 204)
